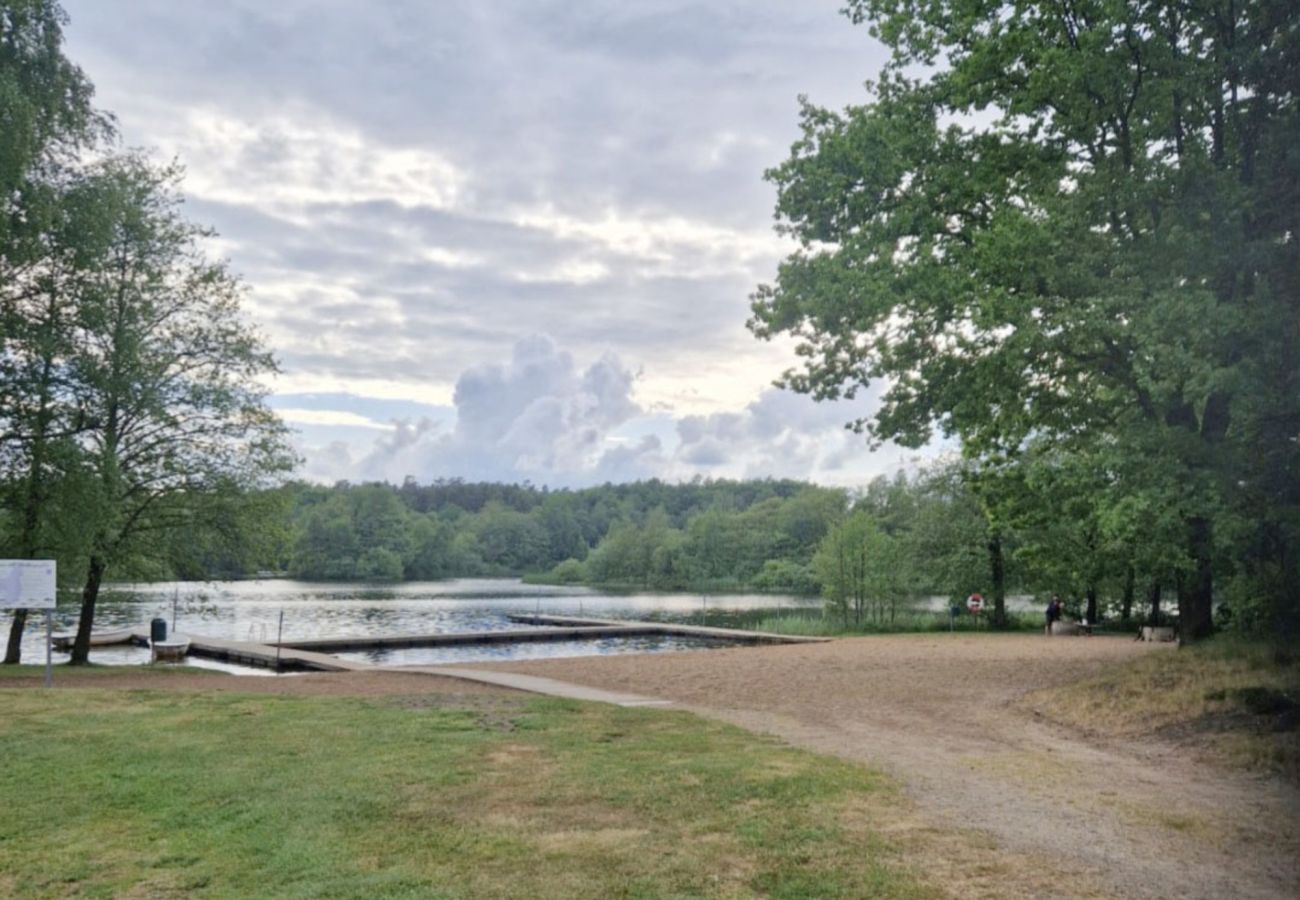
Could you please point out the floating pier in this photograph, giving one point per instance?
(315, 654)
(455, 638)
(265, 656)
(736, 635)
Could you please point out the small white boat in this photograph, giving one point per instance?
(170, 651)
(63, 640)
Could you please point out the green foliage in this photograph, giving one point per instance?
(862, 570)
(1071, 224)
(906, 621)
(786, 576)
(44, 102)
(671, 537)
(568, 572)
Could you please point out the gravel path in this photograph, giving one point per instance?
(1061, 815)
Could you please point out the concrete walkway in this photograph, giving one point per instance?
(533, 684)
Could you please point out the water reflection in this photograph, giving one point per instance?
(250, 611)
(428, 656)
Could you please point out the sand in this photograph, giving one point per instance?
(1060, 813)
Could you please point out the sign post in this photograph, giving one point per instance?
(49, 648)
(975, 603)
(30, 584)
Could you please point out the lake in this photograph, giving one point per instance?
(250, 611)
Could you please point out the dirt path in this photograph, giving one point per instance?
(1060, 815)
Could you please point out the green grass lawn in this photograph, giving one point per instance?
(149, 793)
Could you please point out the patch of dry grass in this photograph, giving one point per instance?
(1237, 701)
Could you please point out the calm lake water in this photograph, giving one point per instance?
(250, 611)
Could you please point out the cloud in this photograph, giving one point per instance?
(296, 416)
(410, 193)
(787, 435)
(413, 196)
(541, 416)
(538, 415)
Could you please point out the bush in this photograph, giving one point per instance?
(379, 564)
(568, 572)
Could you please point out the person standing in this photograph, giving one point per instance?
(1053, 613)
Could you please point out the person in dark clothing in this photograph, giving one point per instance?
(1053, 613)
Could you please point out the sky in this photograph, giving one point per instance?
(498, 239)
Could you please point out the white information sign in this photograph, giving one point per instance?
(27, 584)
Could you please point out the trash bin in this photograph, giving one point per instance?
(157, 630)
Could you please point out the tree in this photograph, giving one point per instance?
(45, 117)
(949, 537)
(45, 102)
(167, 372)
(861, 570)
(1079, 224)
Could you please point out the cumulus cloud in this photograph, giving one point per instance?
(536, 415)
(541, 416)
(784, 435)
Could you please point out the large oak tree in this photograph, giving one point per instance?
(1066, 220)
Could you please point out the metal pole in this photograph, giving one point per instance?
(49, 643)
(279, 635)
(175, 599)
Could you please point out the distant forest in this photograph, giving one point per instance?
(751, 534)
(865, 550)
(947, 531)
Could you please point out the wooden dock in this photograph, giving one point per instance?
(735, 635)
(264, 656)
(455, 638)
(315, 654)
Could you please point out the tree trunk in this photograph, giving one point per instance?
(14, 650)
(1196, 593)
(81, 645)
(1090, 611)
(1126, 604)
(1153, 599)
(997, 572)
(32, 501)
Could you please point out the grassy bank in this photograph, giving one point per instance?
(813, 623)
(152, 793)
(705, 586)
(37, 672)
(1238, 701)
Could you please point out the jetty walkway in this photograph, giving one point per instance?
(311, 655)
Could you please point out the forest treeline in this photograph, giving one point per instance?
(948, 530)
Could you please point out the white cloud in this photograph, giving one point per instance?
(412, 194)
(329, 417)
(540, 416)
(285, 162)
